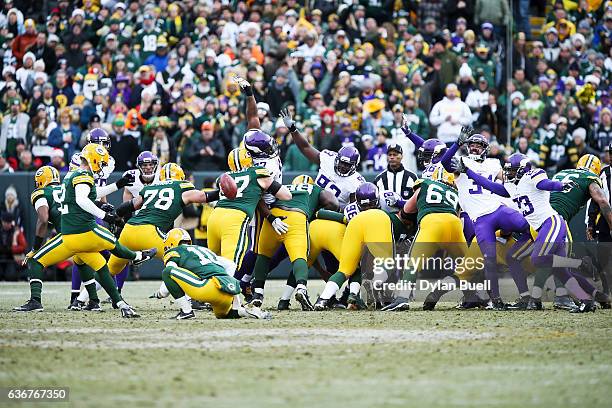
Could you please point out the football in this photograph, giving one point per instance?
(228, 186)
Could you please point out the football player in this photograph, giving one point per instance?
(46, 201)
(229, 221)
(532, 196)
(379, 231)
(194, 272)
(145, 174)
(306, 199)
(81, 236)
(567, 204)
(485, 209)
(338, 170)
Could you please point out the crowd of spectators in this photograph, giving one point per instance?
(158, 76)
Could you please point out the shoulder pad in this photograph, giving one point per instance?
(36, 194)
(536, 172)
(83, 178)
(262, 172)
(187, 186)
(169, 255)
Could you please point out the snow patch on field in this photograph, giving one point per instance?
(255, 338)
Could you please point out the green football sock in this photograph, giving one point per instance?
(108, 283)
(173, 287)
(260, 272)
(87, 275)
(35, 275)
(300, 270)
(338, 278)
(123, 252)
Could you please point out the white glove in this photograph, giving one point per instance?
(243, 83)
(277, 223)
(287, 119)
(390, 198)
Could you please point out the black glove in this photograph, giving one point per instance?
(127, 179)
(106, 207)
(466, 132)
(457, 165)
(111, 218)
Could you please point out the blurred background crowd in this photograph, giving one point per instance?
(532, 76)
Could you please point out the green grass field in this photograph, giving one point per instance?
(372, 359)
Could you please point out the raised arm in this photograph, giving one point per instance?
(126, 180)
(414, 138)
(484, 182)
(311, 153)
(275, 188)
(251, 103)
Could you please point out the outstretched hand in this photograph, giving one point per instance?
(466, 132)
(285, 115)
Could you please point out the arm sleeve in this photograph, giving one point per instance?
(82, 191)
(549, 185)
(41, 202)
(484, 182)
(105, 190)
(414, 138)
(447, 156)
(331, 216)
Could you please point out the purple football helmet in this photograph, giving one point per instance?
(477, 146)
(99, 136)
(260, 145)
(367, 196)
(431, 151)
(515, 168)
(346, 161)
(147, 163)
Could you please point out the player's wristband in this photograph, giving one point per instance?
(293, 128)
(211, 196)
(125, 209)
(248, 90)
(274, 187)
(404, 215)
(271, 218)
(38, 241)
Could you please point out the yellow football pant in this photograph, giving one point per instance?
(295, 240)
(228, 234)
(325, 235)
(371, 228)
(439, 231)
(203, 290)
(137, 238)
(84, 248)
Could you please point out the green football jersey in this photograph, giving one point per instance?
(75, 220)
(199, 260)
(435, 197)
(305, 199)
(163, 203)
(53, 194)
(249, 192)
(568, 203)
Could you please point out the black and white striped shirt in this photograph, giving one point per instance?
(400, 181)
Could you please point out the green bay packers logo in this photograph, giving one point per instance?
(100, 150)
(39, 172)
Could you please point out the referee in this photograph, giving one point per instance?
(396, 178)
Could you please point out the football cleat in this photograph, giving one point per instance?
(92, 306)
(247, 291)
(283, 304)
(564, 303)
(254, 312)
(76, 305)
(128, 312)
(472, 304)
(496, 304)
(195, 305)
(520, 303)
(321, 304)
(535, 304)
(334, 303)
(301, 295)
(399, 304)
(30, 306)
(184, 316)
(585, 306)
(354, 302)
(603, 300)
(430, 301)
(146, 255)
(256, 300)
